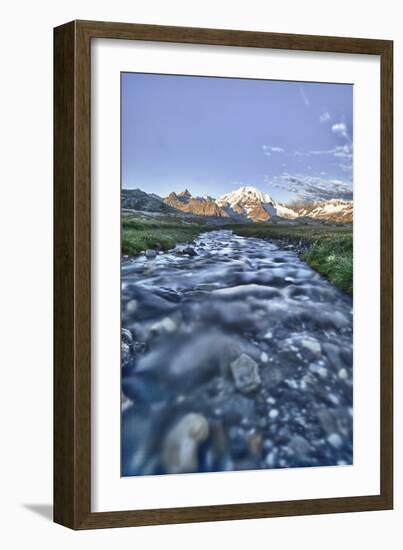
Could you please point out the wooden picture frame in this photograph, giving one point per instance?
(72, 271)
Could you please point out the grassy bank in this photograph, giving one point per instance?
(140, 233)
(333, 258)
(327, 248)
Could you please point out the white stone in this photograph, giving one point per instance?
(343, 374)
(333, 398)
(312, 345)
(179, 452)
(131, 307)
(126, 403)
(165, 325)
(335, 440)
(270, 458)
(273, 414)
(322, 372)
(264, 357)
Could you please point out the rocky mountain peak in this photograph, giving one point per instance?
(185, 194)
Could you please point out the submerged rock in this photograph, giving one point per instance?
(300, 446)
(166, 325)
(190, 251)
(125, 353)
(150, 254)
(180, 447)
(246, 373)
(126, 336)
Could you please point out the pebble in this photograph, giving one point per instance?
(343, 374)
(300, 446)
(166, 325)
(270, 459)
(126, 403)
(264, 357)
(312, 345)
(292, 384)
(318, 369)
(333, 399)
(273, 414)
(335, 440)
(255, 444)
(131, 306)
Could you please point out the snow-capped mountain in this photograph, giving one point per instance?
(337, 210)
(252, 204)
(246, 204)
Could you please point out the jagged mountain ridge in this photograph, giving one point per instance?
(246, 204)
(201, 206)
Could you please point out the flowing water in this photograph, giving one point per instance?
(235, 355)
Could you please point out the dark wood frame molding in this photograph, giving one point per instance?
(72, 319)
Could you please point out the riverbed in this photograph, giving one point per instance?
(235, 355)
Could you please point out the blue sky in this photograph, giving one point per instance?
(212, 135)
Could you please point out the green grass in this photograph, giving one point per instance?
(330, 246)
(139, 234)
(295, 233)
(333, 258)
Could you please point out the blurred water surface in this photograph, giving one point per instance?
(235, 355)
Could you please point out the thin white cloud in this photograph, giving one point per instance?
(310, 188)
(342, 154)
(340, 129)
(305, 98)
(345, 151)
(269, 149)
(325, 117)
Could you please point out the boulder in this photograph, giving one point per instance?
(181, 444)
(245, 372)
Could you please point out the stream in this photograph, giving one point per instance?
(236, 355)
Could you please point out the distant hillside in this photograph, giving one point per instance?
(136, 199)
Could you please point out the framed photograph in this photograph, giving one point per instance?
(222, 274)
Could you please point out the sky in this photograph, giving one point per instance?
(293, 140)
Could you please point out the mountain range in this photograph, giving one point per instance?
(246, 204)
